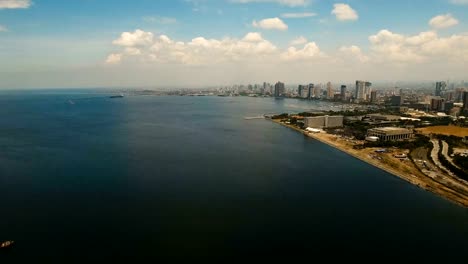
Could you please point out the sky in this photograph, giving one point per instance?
(196, 43)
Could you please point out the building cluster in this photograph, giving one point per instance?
(451, 99)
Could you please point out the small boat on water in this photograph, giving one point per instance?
(117, 96)
(7, 244)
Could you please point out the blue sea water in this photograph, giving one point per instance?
(85, 177)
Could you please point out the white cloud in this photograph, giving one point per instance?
(198, 51)
(352, 52)
(13, 4)
(390, 55)
(3, 28)
(344, 12)
(253, 37)
(291, 3)
(310, 50)
(160, 20)
(298, 15)
(114, 58)
(299, 41)
(270, 23)
(459, 2)
(443, 21)
(426, 47)
(137, 38)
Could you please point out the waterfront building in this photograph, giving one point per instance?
(329, 90)
(311, 90)
(390, 133)
(343, 92)
(363, 89)
(323, 121)
(279, 89)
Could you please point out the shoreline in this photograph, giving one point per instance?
(407, 171)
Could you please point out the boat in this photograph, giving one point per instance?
(117, 96)
(7, 244)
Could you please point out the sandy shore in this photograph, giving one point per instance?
(404, 169)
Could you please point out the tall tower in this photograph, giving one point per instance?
(363, 89)
(440, 87)
(343, 92)
(329, 90)
(279, 89)
(311, 90)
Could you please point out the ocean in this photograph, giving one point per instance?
(87, 178)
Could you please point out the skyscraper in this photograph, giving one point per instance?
(311, 90)
(440, 87)
(363, 90)
(329, 90)
(465, 101)
(279, 89)
(373, 97)
(343, 92)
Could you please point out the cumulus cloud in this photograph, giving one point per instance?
(310, 50)
(253, 37)
(3, 28)
(443, 21)
(344, 12)
(114, 58)
(424, 51)
(298, 15)
(298, 41)
(270, 23)
(353, 52)
(137, 38)
(423, 47)
(291, 3)
(145, 47)
(13, 4)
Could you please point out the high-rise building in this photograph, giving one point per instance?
(318, 91)
(396, 100)
(437, 104)
(440, 87)
(373, 97)
(311, 90)
(279, 89)
(343, 92)
(465, 101)
(329, 90)
(363, 89)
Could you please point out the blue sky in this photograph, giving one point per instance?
(42, 38)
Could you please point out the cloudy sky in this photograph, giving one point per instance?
(149, 43)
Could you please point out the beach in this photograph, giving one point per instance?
(405, 169)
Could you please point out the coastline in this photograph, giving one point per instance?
(406, 171)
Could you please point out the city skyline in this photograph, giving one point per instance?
(201, 42)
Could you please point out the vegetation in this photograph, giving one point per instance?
(459, 172)
(280, 116)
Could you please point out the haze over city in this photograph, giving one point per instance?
(49, 44)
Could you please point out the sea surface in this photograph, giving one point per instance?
(87, 178)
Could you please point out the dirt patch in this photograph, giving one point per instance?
(445, 130)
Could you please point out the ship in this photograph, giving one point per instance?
(117, 96)
(7, 244)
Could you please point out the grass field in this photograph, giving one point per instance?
(445, 130)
